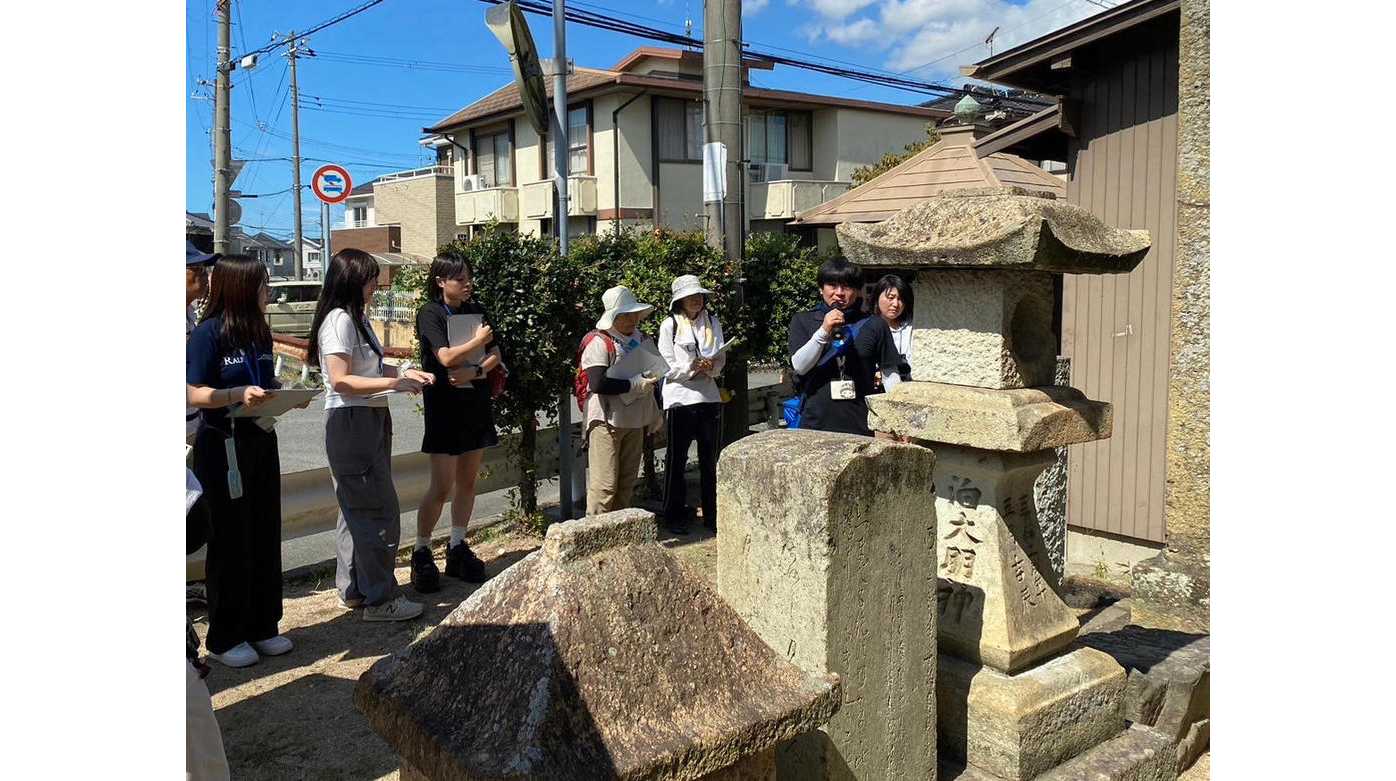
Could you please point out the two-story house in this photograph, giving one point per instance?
(635, 149)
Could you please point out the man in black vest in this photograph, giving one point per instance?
(835, 349)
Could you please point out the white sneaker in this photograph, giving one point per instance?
(399, 609)
(274, 646)
(240, 655)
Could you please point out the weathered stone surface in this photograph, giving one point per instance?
(1020, 421)
(1194, 744)
(1170, 676)
(1018, 726)
(826, 549)
(1173, 591)
(598, 656)
(1006, 227)
(988, 329)
(1137, 754)
(997, 598)
(1180, 592)
(1049, 492)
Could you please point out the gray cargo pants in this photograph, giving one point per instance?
(359, 443)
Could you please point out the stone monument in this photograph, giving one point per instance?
(826, 549)
(1014, 699)
(598, 656)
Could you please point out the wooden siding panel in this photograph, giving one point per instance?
(1122, 169)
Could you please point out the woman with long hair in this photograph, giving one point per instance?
(459, 419)
(688, 340)
(228, 360)
(893, 301)
(359, 437)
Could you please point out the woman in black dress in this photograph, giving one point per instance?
(459, 419)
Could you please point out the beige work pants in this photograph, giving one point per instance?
(613, 464)
(203, 743)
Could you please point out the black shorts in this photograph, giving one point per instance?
(457, 421)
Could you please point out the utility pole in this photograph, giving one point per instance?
(722, 94)
(222, 144)
(560, 212)
(296, 162)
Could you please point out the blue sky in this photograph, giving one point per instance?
(374, 101)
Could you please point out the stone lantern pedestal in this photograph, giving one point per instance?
(1013, 699)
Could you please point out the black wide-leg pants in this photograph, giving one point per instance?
(686, 424)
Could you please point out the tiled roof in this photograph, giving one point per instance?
(507, 98)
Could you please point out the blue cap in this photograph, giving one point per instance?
(193, 257)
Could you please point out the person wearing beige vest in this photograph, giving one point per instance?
(618, 410)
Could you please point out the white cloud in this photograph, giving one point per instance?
(752, 6)
(855, 34)
(937, 36)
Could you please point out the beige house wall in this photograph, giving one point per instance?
(423, 208)
(865, 136)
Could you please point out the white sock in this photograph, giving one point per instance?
(457, 535)
(424, 542)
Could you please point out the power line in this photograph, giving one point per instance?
(600, 21)
(354, 111)
(333, 101)
(356, 10)
(394, 62)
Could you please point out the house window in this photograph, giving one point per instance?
(358, 216)
(679, 125)
(578, 143)
(781, 137)
(494, 158)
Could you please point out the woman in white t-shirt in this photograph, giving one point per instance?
(688, 340)
(359, 436)
(893, 301)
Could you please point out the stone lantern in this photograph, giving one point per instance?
(1013, 700)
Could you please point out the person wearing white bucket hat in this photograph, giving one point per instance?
(618, 410)
(689, 339)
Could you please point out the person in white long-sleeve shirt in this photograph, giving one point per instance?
(689, 340)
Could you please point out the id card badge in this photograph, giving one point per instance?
(842, 390)
(234, 476)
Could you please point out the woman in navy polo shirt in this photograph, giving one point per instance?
(229, 361)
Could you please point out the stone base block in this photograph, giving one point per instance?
(1173, 591)
(1021, 421)
(1019, 726)
(757, 767)
(1170, 676)
(1137, 754)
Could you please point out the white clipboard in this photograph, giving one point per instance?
(277, 403)
(461, 329)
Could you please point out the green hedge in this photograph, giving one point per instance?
(541, 303)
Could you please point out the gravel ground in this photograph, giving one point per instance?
(293, 716)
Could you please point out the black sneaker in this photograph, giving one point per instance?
(461, 562)
(425, 577)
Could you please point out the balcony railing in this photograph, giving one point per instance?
(784, 199)
(430, 170)
(537, 198)
(481, 206)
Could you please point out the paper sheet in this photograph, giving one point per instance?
(461, 329)
(641, 360)
(277, 403)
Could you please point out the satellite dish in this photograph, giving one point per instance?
(507, 23)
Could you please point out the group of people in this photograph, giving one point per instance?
(840, 353)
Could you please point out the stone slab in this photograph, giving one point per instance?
(997, 598)
(1004, 227)
(1021, 420)
(1019, 726)
(598, 655)
(827, 549)
(1137, 754)
(1049, 492)
(987, 329)
(1169, 685)
(1173, 591)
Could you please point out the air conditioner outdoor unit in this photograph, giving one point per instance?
(474, 182)
(767, 172)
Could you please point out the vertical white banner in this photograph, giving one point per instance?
(714, 172)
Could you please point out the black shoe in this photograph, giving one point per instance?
(461, 562)
(425, 577)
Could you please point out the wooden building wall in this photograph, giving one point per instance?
(1115, 327)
